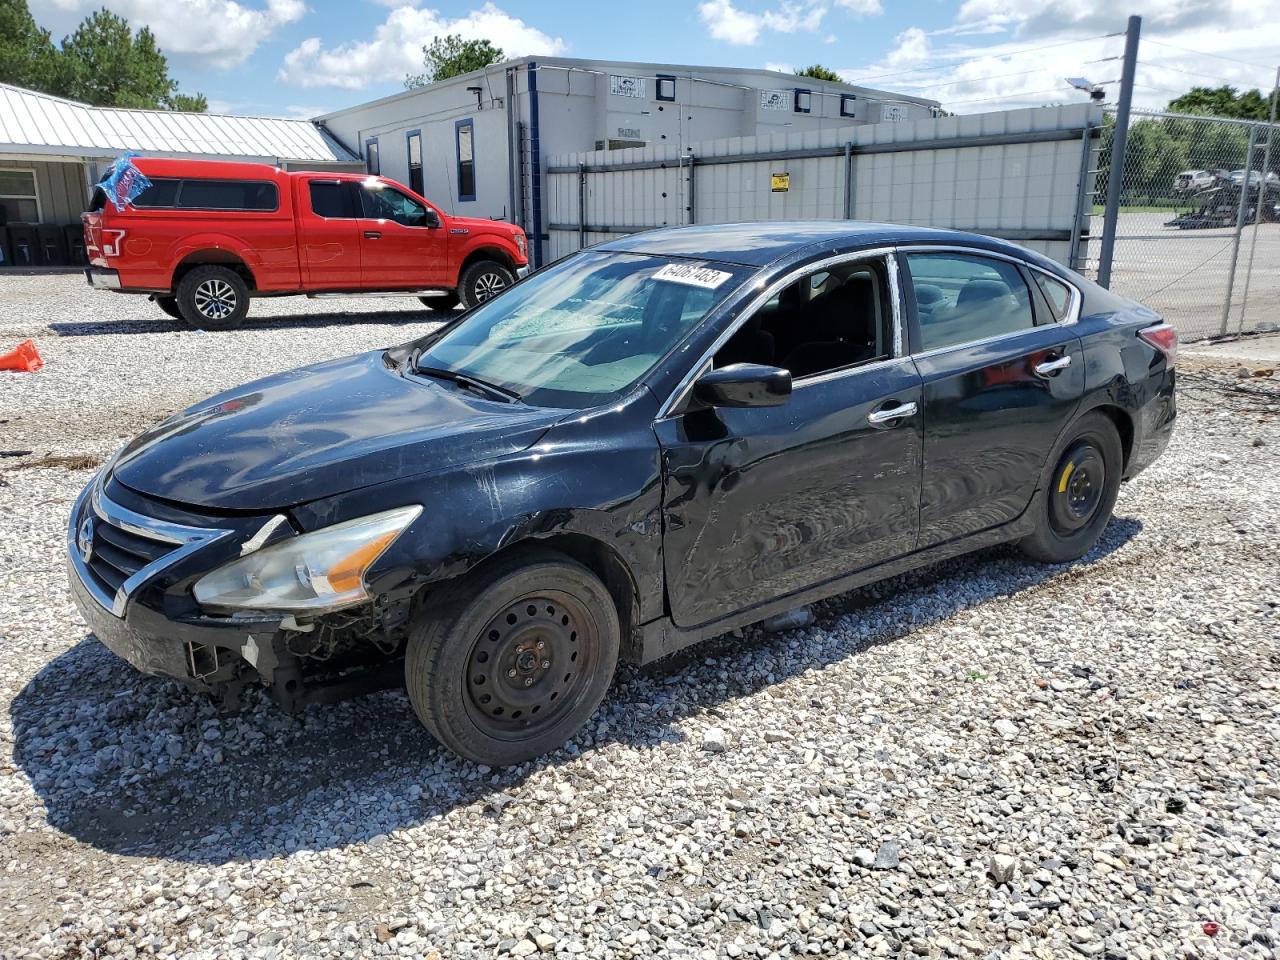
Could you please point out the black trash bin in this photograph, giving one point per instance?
(24, 244)
(53, 244)
(75, 244)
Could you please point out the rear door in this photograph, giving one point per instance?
(402, 243)
(329, 234)
(1001, 375)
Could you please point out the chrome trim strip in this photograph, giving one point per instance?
(186, 540)
(678, 394)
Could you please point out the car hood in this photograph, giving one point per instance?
(319, 431)
(481, 225)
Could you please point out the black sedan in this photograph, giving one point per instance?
(653, 441)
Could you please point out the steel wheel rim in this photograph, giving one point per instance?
(1077, 489)
(516, 689)
(215, 299)
(489, 285)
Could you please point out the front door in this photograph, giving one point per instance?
(399, 246)
(329, 235)
(762, 502)
(1002, 378)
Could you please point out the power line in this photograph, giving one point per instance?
(1163, 65)
(998, 76)
(1008, 96)
(1203, 53)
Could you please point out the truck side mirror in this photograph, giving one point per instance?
(432, 218)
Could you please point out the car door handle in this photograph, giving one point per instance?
(372, 235)
(889, 414)
(1048, 368)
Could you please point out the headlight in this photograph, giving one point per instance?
(520, 243)
(312, 573)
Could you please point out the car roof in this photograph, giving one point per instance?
(761, 243)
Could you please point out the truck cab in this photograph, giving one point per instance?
(203, 238)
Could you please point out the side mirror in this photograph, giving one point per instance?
(744, 385)
(432, 218)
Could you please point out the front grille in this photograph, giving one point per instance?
(114, 550)
(118, 554)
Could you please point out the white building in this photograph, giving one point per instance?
(476, 144)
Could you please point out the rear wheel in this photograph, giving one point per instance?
(508, 664)
(169, 305)
(440, 304)
(482, 281)
(1079, 494)
(213, 298)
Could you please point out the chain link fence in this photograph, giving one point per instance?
(1198, 233)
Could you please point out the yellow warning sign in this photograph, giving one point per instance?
(780, 182)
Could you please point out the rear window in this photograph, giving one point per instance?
(161, 194)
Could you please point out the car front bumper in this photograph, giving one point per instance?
(522, 272)
(102, 279)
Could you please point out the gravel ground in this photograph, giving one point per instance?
(985, 758)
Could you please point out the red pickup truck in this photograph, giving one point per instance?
(207, 236)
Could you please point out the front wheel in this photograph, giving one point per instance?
(482, 281)
(213, 298)
(510, 662)
(1079, 494)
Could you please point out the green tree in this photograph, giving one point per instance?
(819, 72)
(103, 63)
(450, 56)
(1224, 101)
(27, 53)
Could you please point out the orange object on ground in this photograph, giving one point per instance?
(24, 358)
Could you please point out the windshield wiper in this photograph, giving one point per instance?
(467, 380)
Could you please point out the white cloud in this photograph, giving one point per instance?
(396, 47)
(733, 25)
(208, 33)
(861, 8)
(1002, 54)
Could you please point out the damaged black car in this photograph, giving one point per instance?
(651, 442)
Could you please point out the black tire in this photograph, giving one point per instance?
(482, 280)
(538, 696)
(440, 304)
(1078, 492)
(170, 306)
(213, 298)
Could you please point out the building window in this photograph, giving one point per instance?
(19, 200)
(414, 139)
(804, 99)
(372, 158)
(665, 88)
(464, 131)
(848, 105)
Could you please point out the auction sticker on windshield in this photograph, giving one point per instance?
(694, 276)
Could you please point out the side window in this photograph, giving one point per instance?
(372, 157)
(162, 194)
(380, 202)
(1056, 292)
(826, 320)
(228, 195)
(960, 298)
(331, 199)
(466, 160)
(414, 141)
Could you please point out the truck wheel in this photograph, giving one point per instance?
(482, 280)
(440, 304)
(213, 298)
(508, 664)
(1076, 499)
(169, 305)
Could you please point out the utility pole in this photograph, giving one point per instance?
(1115, 173)
(1262, 198)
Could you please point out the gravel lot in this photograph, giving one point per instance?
(985, 758)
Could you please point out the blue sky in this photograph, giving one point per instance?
(304, 57)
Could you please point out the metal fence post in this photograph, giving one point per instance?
(1240, 209)
(1073, 253)
(1262, 198)
(582, 205)
(1115, 175)
(848, 180)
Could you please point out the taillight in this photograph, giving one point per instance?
(1164, 338)
(111, 240)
